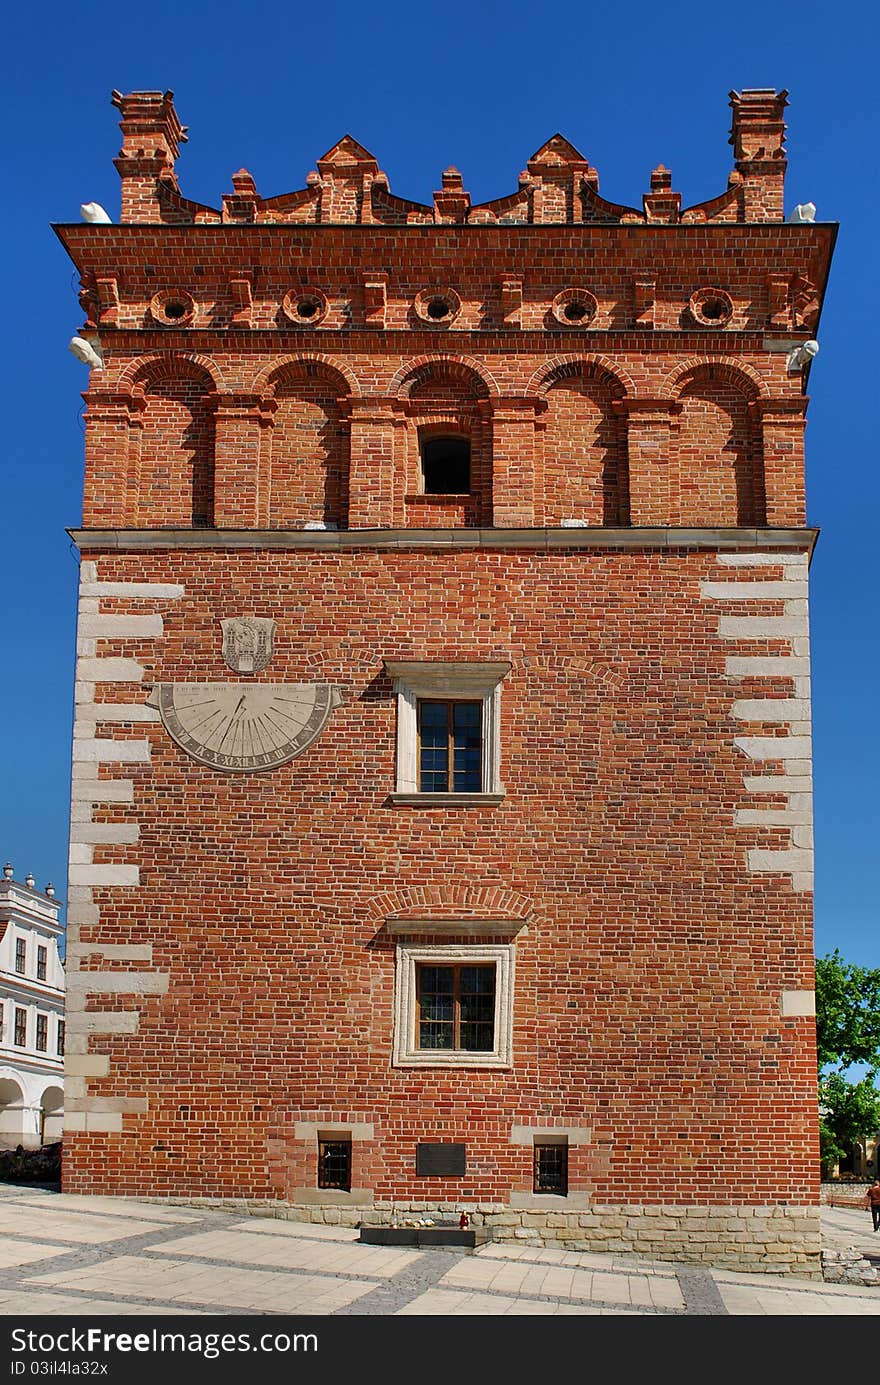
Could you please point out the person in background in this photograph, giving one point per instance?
(872, 1200)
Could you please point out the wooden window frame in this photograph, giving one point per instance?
(442, 681)
(449, 703)
(409, 955)
(456, 968)
(59, 1038)
(42, 963)
(21, 957)
(41, 1040)
(20, 1026)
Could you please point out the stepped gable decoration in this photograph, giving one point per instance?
(558, 185)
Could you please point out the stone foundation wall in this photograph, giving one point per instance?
(769, 1240)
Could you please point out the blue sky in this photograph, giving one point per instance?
(480, 85)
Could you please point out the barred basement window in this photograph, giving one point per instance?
(41, 963)
(455, 1007)
(20, 956)
(450, 747)
(20, 1027)
(334, 1164)
(42, 1033)
(551, 1168)
(60, 1044)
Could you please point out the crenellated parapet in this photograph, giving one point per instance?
(557, 186)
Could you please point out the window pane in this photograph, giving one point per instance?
(435, 1035)
(477, 980)
(477, 1038)
(434, 747)
(437, 979)
(467, 740)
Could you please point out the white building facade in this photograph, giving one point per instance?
(31, 1015)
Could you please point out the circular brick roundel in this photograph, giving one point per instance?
(173, 308)
(437, 307)
(574, 308)
(304, 307)
(711, 307)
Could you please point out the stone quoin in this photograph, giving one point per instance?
(468, 866)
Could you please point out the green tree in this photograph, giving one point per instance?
(847, 1035)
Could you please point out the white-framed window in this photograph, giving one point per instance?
(448, 731)
(453, 1005)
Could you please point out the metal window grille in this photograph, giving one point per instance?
(334, 1164)
(551, 1169)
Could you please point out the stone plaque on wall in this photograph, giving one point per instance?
(440, 1159)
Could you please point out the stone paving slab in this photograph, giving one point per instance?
(248, 1248)
(745, 1299)
(18, 1252)
(559, 1280)
(299, 1230)
(182, 1282)
(73, 1226)
(30, 1303)
(447, 1302)
(105, 1206)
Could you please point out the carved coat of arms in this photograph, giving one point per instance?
(247, 643)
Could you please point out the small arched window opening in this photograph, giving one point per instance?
(446, 465)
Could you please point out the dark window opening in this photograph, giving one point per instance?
(334, 1164)
(42, 1033)
(20, 1028)
(20, 956)
(41, 963)
(175, 310)
(450, 747)
(60, 1045)
(446, 466)
(456, 1007)
(551, 1169)
(574, 312)
(713, 309)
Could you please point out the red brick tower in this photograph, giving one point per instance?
(441, 785)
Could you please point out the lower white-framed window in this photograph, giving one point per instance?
(448, 731)
(453, 1005)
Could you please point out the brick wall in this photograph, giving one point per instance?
(646, 859)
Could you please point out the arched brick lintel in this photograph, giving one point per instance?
(742, 376)
(566, 367)
(422, 367)
(450, 901)
(345, 379)
(166, 365)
